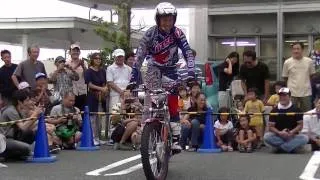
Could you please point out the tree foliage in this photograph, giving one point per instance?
(115, 35)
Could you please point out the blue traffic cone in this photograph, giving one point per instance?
(209, 142)
(86, 143)
(41, 150)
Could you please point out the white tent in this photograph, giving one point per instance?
(54, 33)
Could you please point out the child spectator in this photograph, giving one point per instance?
(246, 135)
(274, 99)
(224, 130)
(184, 99)
(254, 105)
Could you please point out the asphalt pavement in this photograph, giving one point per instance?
(121, 165)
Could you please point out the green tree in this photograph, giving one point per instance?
(115, 35)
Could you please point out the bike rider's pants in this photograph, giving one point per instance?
(164, 77)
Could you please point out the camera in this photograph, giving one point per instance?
(129, 101)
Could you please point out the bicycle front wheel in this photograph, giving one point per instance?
(154, 152)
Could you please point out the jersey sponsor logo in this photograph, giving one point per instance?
(162, 57)
(164, 44)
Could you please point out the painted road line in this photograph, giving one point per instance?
(129, 170)
(312, 167)
(3, 165)
(113, 165)
(126, 171)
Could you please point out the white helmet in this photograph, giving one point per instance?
(164, 9)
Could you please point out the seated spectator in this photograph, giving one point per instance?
(254, 105)
(127, 125)
(246, 135)
(184, 99)
(191, 124)
(274, 99)
(22, 108)
(311, 126)
(224, 130)
(195, 88)
(10, 148)
(67, 127)
(62, 78)
(43, 95)
(24, 85)
(284, 130)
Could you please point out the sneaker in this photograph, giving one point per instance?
(230, 149)
(176, 148)
(101, 142)
(249, 149)
(224, 148)
(241, 149)
(96, 142)
(193, 148)
(53, 149)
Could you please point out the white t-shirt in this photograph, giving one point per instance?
(120, 75)
(298, 73)
(223, 127)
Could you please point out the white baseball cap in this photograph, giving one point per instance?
(284, 90)
(23, 85)
(75, 45)
(118, 52)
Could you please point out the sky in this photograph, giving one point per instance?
(55, 8)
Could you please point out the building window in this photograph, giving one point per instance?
(223, 47)
(268, 54)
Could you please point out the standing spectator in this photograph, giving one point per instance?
(130, 59)
(6, 72)
(284, 130)
(118, 77)
(254, 105)
(192, 124)
(80, 66)
(227, 71)
(96, 79)
(311, 126)
(62, 78)
(27, 69)
(297, 72)
(255, 74)
(315, 82)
